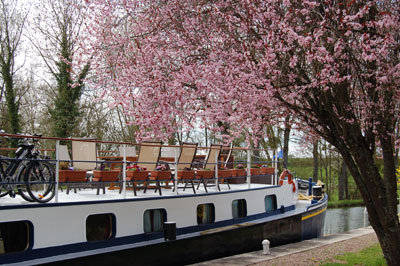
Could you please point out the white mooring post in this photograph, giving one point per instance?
(265, 245)
(124, 170)
(57, 167)
(365, 217)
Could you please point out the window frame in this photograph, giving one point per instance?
(274, 201)
(112, 227)
(212, 209)
(29, 237)
(165, 218)
(244, 209)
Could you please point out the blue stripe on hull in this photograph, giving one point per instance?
(151, 249)
(140, 239)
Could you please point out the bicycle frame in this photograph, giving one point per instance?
(11, 177)
(15, 163)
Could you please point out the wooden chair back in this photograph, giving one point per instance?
(212, 156)
(84, 155)
(187, 154)
(149, 154)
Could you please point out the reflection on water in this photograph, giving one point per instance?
(344, 219)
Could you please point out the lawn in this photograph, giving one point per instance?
(371, 256)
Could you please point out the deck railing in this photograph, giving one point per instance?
(53, 144)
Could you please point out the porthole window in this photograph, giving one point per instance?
(99, 227)
(15, 236)
(205, 213)
(239, 208)
(270, 203)
(153, 220)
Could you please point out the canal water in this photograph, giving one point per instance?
(340, 220)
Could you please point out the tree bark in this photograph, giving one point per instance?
(256, 153)
(381, 214)
(286, 136)
(316, 161)
(12, 105)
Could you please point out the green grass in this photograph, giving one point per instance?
(302, 167)
(371, 256)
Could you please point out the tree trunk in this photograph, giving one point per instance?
(380, 197)
(206, 136)
(346, 185)
(12, 105)
(286, 136)
(316, 162)
(255, 158)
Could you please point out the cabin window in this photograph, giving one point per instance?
(205, 213)
(239, 208)
(99, 227)
(270, 203)
(153, 220)
(14, 236)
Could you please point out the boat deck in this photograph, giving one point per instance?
(89, 194)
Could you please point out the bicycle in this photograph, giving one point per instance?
(32, 177)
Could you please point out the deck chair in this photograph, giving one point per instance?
(209, 163)
(73, 179)
(84, 155)
(148, 157)
(185, 161)
(149, 154)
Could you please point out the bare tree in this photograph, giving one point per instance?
(57, 29)
(12, 22)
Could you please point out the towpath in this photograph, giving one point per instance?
(308, 252)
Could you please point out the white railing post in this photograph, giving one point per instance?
(124, 170)
(216, 172)
(57, 167)
(274, 182)
(248, 179)
(176, 170)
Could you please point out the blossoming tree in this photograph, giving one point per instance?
(333, 65)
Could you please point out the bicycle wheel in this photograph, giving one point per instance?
(22, 187)
(40, 181)
(3, 187)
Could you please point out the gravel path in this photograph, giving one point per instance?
(319, 255)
